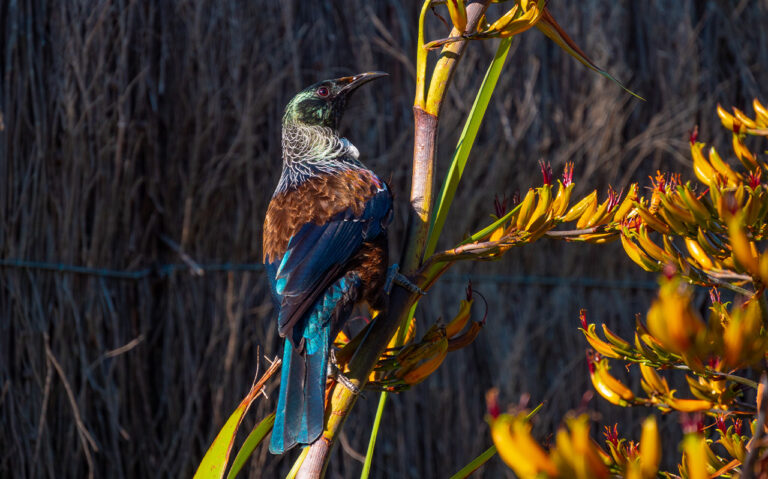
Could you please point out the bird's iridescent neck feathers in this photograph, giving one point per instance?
(310, 150)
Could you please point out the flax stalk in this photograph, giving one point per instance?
(342, 400)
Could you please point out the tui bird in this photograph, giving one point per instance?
(325, 249)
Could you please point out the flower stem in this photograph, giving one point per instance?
(374, 433)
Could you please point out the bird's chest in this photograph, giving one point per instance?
(316, 200)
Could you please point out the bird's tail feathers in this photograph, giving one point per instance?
(301, 404)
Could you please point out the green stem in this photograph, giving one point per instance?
(374, 433)
(476, 463)
(296, 465)
(491, 227)
(421, 61)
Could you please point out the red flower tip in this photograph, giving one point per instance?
(737, 426)
(469, 290)
(669, 270)
(720, 421)
(730, 203)
(714, 296)
(659, 181)
(736, 124)
(694, 134)
(612, 436)
(568, 173)
(633, 450)
(583, 318)
(500, 206)
(492, 402)
(613, 198)
(691, 423)
(592, 358)
(675, 179)
(546, 172)
(662, 182)
(754, 178)
(713, 362)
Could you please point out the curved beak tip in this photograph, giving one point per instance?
(352, 82)
(370, 75)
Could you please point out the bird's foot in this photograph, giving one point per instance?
(347, 383)
(337, 374)
(394, 276)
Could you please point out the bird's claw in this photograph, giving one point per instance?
(337, 374)
(345, 381)
(394, 276)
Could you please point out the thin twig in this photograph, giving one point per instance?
(732, 287)
(349, 449)
(43, 411)
(471, 249)
(729, 275)
(193, 265)
(274, 365)
(85, 437)
(125, 348)
(563, 233)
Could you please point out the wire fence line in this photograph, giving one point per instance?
(160, 270)
(163, 270)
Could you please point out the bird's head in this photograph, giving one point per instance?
(322, 104)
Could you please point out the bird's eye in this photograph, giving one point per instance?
(322, 92)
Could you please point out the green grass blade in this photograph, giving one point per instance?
(374, 433)
(535, 411)
(254, 439)
(466, 140)
(475, 464)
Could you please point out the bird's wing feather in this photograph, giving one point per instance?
(317, 253)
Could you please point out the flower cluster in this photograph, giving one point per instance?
(523, 15)
(703, 235)
(708, 232)
(401, 367)
(574, 453)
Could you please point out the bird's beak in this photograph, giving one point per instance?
(348, 84)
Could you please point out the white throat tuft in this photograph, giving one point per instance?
(309, 150)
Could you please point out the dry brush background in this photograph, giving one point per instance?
(135, 130)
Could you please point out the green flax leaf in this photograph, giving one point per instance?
(254, 439)
(215, 461)
(464, 146)
(549, 27)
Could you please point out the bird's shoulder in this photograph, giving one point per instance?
(317, 200)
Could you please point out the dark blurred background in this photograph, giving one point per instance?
(138, 131)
